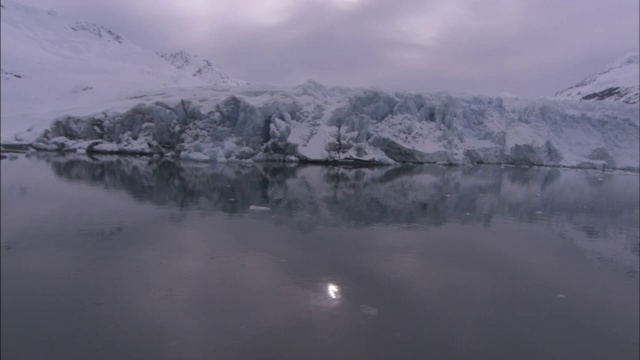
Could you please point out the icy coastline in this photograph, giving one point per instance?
(314, 123)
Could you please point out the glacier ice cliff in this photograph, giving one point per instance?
(314, 123)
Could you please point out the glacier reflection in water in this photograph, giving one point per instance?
(154, 259)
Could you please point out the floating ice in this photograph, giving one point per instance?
(369, 310)
(258, 208)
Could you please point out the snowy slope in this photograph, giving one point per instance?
(620, 81)
(200, 68)
(54, 63)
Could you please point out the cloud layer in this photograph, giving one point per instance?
(526, 47)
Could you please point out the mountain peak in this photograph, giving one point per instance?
(180, 59)
(629, 59)
(618, 82)
(200, 68)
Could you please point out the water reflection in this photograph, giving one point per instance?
(592, 208)
(425, 195)
(262, 261)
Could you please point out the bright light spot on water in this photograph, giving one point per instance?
(333, 290)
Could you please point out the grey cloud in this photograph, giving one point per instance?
(527, 47)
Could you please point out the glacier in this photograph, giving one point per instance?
(314, 123)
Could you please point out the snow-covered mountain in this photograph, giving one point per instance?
(51, 62)
(200, 68)
(620, 81)
(55, 55)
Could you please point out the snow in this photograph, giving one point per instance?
(54, 65)
(91, 90)
(620, 81)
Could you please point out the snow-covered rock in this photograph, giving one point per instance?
(620, 81)
(200, 68)
(314, 123)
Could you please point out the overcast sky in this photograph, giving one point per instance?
(524, 47)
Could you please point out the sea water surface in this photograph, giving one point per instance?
(131, 258)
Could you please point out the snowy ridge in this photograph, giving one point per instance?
(310, 122)
(180, 59)
(620, 81)
(98, 31)
(58, 57)
(8, 75)
(54, 64)
(199, 68)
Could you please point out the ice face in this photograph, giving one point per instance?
(311, 122)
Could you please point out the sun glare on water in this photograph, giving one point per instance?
(333, 291)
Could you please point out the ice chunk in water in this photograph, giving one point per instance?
(258, 208)
(369, 310)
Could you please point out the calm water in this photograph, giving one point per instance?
(123, 258)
